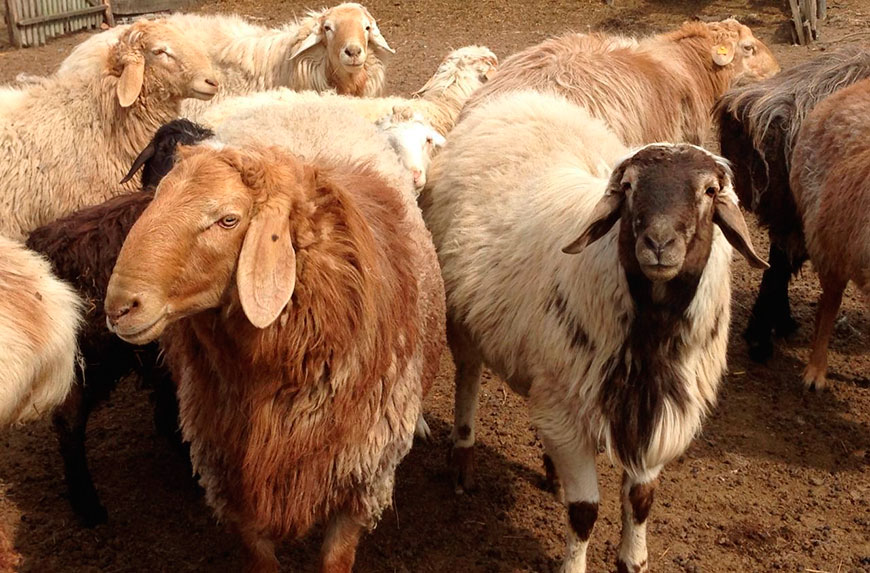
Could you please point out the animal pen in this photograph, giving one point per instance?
(33, 22)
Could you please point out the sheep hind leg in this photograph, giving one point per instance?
(339, 545)
(637, 499)
(574, 463)
(771, 310)
(826, 314)
(259, 552)
(469, 365)
(70, 422)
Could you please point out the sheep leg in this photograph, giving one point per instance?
(70, 422)
(339, 545)
(826, 314)
(468, 368)
(771, 309)
(637, 499)
(165, 406)
(259, 552)
(574, 463)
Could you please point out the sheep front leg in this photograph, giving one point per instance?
(637, 499)
(338, 552)
(468, 368)
(259, 552)
(826, 314)
(574, 465)
(771, 310)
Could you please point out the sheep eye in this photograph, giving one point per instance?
(327, 27)
(626, 186)
(229, 221)
(429, 140)
(368, 28)
(710, 191)
(159, 51)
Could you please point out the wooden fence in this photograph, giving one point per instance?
(32, 22)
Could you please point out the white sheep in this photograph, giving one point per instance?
(66, 141)
(625, 341)
(439, 101)
(338, 49)
(413, 140)
(39, 319)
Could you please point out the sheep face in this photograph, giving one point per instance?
(736, 46)
(413, 140)
(349, 32)
(156, 58)
(668, 197)
(218, 211)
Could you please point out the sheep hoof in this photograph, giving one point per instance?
(461, 462)
(760, 349)
(814, 378)
(786, 326)
(421, 430)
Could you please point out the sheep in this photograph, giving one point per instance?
(659, 88)
(338, 49)
(758, 126)
(413, 140)
(308, 324)
(574, 334)
(439, 101)
(40, 316)
(109, 111)
(82, 248)
(830, 179)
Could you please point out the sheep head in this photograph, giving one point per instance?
(220, 211)
(154, 57)
(413, 140)
(469, 66)
(348, 32)
(735, 45)
(668, 197)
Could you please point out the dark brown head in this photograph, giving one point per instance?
(668, 198)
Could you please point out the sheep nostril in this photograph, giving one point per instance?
(651, 243)
(352, 51)
(116, 314)
(212, 83)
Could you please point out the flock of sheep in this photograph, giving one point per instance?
(286, 270)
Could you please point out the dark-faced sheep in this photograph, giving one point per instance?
(659, 88)
(82, 248)
(758, 126)
(830, 178)
(622, 340)
(301, 313)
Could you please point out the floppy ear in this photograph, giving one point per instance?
(266, 273)
(729, 218)
(314, 38)
(130, 82)
(376, 37)
(723, 54)
(605, 214)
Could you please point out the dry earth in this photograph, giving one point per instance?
(778, 481)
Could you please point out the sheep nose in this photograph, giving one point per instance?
(113, 315)
(353, 51)
(658, 244)
(416, 174)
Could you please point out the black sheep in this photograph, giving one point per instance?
(82, 248)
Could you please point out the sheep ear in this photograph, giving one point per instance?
(140, 160)
(723, 54)
(266, 275)
(379, 39)
(314, 38)
(605, 214)
(130, 83)
(729, 218)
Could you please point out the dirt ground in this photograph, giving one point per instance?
(779, 480)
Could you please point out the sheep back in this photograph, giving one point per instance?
(830, 179)
(39, 319)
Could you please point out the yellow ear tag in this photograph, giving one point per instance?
(722, 50)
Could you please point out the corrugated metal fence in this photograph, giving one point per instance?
(32, 22)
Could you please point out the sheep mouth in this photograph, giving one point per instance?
(660, 272)
(203, 90)
(140, 335)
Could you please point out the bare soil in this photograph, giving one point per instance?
(778, 480)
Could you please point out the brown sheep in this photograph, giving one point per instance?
(830, 179)
(302, 315)
(659, 88)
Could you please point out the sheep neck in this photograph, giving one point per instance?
(645, 373)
